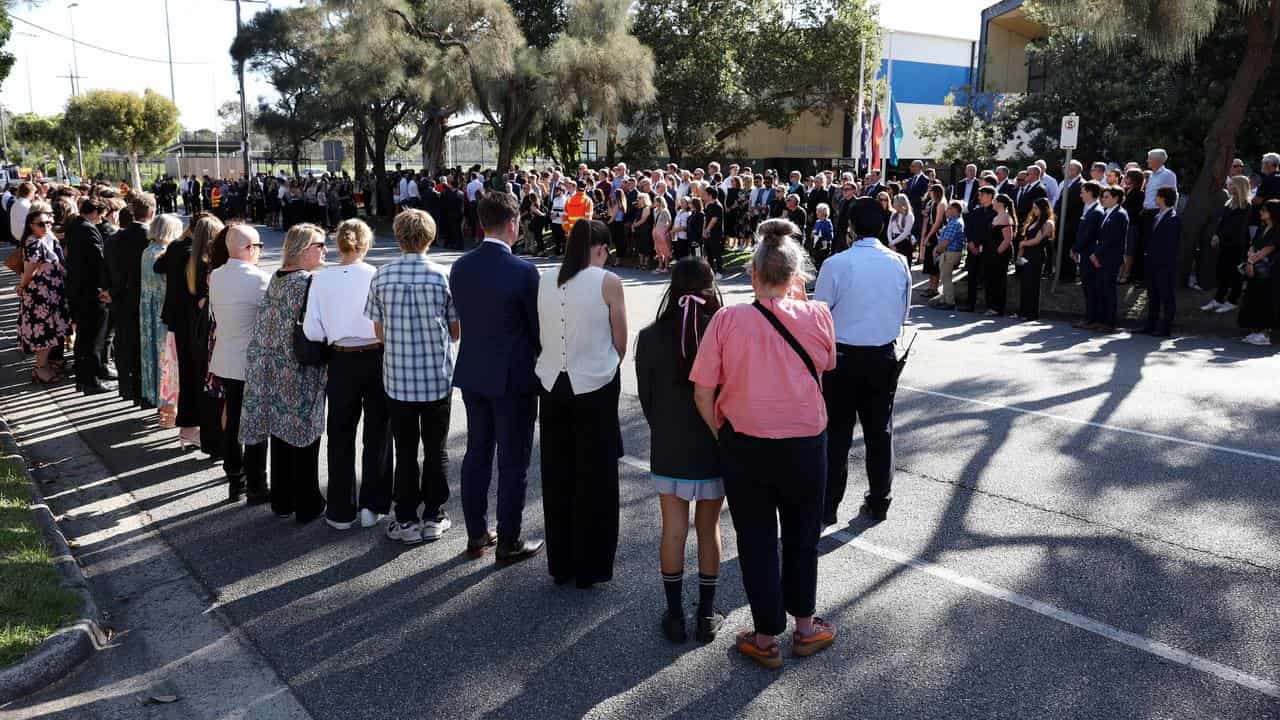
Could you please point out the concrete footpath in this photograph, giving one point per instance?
(170, 653)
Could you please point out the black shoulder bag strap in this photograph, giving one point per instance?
(791, 340)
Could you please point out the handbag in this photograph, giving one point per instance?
(1261, 269)
(310, 353)
(14, 261)
(791, 340)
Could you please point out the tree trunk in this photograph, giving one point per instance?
(1206, 194)
(381, 137)
(295, 155)
(361, 140)
(433, 136)
(611, 145)
(506, 149)
(135, 174)
(675, 153)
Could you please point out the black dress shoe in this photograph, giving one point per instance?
(476, 545)
(673, 627)
(830, 519)
(513, 551)
(108, 374)
(235, 490)
(1145, 331)
(254, 496)
(877, 514)
(95, 388)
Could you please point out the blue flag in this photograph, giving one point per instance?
(865, 133)
(895, 132)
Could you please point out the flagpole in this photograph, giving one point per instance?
(884, 156)
(857, 130)
(871, 120)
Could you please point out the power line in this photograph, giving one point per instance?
(106, 50)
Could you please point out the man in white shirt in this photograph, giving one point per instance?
(1161, 176)
(868, 288)
(1050, 182)
(18, 211)
(474, 187)
(235, 290)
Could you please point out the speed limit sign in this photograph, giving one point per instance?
(1070, 132)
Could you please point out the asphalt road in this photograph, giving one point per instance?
(1084, 527)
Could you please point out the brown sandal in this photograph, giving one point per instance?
(769, 657)
(824, 633)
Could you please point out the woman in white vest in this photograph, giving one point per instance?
(583, 329)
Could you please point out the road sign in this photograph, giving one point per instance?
(1070, 132)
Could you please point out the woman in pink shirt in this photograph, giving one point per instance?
(771, 423)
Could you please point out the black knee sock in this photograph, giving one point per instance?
(707, 594)
(673, 584)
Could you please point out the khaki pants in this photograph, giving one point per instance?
(950, 261)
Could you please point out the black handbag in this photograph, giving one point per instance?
(310, 353)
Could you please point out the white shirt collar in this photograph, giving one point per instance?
(496, 241)
(867, 241)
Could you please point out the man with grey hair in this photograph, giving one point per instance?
(1160, 176)
(1268, 185)
(966, 191)
(1069, 210)
(1050, 182)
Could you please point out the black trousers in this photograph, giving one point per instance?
(1089, 285)
(295, 480)
(245, 465)
(190, 377)
(557, 237)
(715, 253)
(1230, 281)
(91, 340)
(425, 424)
(581, 444)
(128, 348)
(681, 249)
(354, 388)
(1029, 286)
(1161, 300)
(860, 390)
(506, 423)
(995, 276)
(973, 277)
(1108, 294)
(770, 482)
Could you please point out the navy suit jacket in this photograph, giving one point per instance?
(1162, 247)
(1087, 234)
(1111, 237)
(496, 296)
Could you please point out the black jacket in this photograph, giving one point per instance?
(86, 262)
(681, 445)
(124, 262)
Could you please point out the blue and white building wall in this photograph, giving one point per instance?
(926, 69)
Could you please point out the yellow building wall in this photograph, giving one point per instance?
(1006, 61)
(809, 137)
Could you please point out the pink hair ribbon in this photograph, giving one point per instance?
(685, 303)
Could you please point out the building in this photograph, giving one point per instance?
(1003, 67)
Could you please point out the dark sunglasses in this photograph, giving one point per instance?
(317, 244)
(45, 223)
(256, 246)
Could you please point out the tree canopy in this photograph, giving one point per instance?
(130, 123)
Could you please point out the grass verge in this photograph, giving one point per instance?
(33, 603)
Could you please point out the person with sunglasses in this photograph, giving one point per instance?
(284, 399)
(235, 291)
(43, 318)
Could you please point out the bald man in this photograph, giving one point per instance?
(235, 289)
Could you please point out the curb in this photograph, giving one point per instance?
(61, 652)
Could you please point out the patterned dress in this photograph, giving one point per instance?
(282, 398)
(43, 317)
(154, 331)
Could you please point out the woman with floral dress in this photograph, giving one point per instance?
(284, 399)
(154, 333)
(44, 320)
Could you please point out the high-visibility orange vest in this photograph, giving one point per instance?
(215, 197)
(578, 207)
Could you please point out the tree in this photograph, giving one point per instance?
(6, 32)
(43, 135)
(724, 65)
(515, 84)
(975, 132)
(1172, 31)
(132, 124)
(283, 46)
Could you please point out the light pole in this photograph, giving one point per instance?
(26, 64)
(75, 81)
(168, 39)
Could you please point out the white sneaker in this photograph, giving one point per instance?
(1211, 306)
(406, 533)
(1257, 339)
(339, 525)
(1225, 307)
(369, 518)
(434, 529)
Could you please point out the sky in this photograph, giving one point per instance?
(202, 31)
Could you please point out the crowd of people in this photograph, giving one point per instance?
(753, 404)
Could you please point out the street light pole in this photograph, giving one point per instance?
(168, 38)
(75, 81)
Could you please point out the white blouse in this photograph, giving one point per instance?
(574, 328)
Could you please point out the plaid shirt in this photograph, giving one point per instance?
(410, 298)
(952, 235)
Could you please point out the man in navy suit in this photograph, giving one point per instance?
(1086, 241)
(966, 191)
(916, 189)
(1108, 255)
(496, 296)
(1162, 263)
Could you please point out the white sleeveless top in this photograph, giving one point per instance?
(573, 324)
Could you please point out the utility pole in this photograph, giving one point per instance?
(74, 78)
(244, 116)
(168, 38)
(26, 64)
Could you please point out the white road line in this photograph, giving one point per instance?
(1124, 637)
(1101, 426)
(1109, 632)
